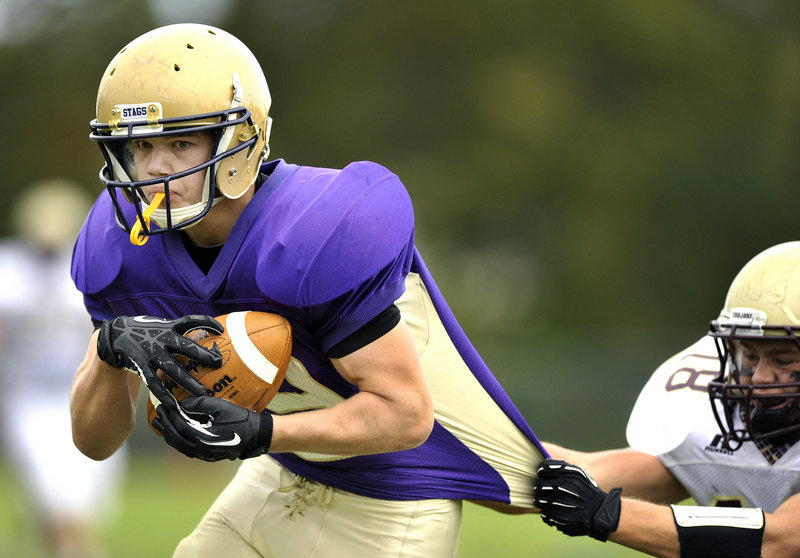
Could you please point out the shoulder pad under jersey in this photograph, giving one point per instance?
(674, 399)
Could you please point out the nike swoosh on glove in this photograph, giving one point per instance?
(230, 431)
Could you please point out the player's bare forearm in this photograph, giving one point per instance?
(647, 527)
(361, 425)
(641, 475)
(392, 412)
(102, 405)
(781, 532)
(651, 528)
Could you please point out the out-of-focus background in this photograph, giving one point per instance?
(587, 176)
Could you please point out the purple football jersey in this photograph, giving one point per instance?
(330, 249)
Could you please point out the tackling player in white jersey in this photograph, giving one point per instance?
(738, 456)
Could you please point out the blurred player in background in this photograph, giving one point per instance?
(43, 327)
(738, 457)
(401, 420)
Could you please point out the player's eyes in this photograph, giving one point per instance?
(750, 358)
(786, 362)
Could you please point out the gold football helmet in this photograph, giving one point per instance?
(49, 213)
(763, 303)
(173, 80)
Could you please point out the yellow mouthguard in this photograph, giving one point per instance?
(137, 237)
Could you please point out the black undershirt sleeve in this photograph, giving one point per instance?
(369, 332)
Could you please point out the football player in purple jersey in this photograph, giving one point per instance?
(737, 457)
(387, 419)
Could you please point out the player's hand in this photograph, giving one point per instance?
(144, 344)
(572, 502)
(232, 432)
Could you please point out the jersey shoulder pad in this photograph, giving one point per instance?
(674, 399)
(336, 229)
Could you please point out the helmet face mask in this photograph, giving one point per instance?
(120, 176)
(171, 81)
(760, 321)
(750, 411)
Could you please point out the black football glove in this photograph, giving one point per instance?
(231, 432)
(144, 344)
(572, 502)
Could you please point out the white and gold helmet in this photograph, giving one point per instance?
(763, 303)
(173, 80)
(49, 213)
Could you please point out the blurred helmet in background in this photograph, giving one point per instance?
(49, 213)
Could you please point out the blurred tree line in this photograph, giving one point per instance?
(587, 176)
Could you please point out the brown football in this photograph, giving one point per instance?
(256, 348)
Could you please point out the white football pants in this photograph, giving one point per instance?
(268, 512)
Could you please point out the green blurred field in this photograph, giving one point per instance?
(165, 495)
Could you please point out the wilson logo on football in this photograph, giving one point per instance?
(221, 385)
(256, 348)
(214, 390)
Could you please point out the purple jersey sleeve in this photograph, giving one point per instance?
(94, 269)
